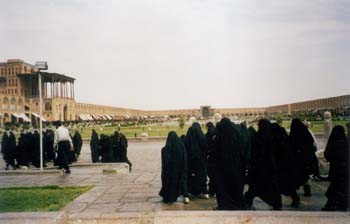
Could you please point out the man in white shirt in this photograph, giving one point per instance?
(64, 143)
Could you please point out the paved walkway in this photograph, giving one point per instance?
(137, 191)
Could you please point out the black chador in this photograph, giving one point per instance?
(174, 169)
(115, 146)
(36, 149)
(123, 146)
(71, 154)
(285, 162)
(196, 146)
(22, 151)
(230, 169)
(94, 146)
(211, 157)
(8, 147)
(77, 143)
(106, 149)
(263, 174)
(246, 146)
(302, 146)
(49, 145)
(337, 153)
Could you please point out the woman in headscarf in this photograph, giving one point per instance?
(230, 169)
(174, 170)
(285, 162)
(77, 143)
(94, 146)
(337, 154)
(263, 175)
(115, 146)
(302, 146)
(106, 149)
(196, 146)
(211, 157)
(123, 146)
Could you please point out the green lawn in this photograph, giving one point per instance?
(46, 198)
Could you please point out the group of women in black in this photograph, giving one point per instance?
(26, 151)
(109, 149)
(271, 162)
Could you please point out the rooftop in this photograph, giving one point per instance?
(48, 77)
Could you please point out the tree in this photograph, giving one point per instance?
(181, 122)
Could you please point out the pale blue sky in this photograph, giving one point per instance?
(163, 54)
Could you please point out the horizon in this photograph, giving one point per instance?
(165, 55)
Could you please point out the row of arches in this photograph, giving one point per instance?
(11, 103)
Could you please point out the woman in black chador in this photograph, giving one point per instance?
(302, 146)
(196, 146)
(123, 146)
(337, 153)
(211, 157)
(230, 169)
(285, 162)
(115, 146)
(77, 143)
(174, 170)
(8, 147)
(263, 174)
(94, 146)
(106, 149)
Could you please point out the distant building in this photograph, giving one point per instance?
(19, 94)
(19, 101)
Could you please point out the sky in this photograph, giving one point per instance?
(161, 54)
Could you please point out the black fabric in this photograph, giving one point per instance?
(36, 149)
(49, 142)
(301, 143)
(22, 156)
(196, 146)
(4, 146)
(337, 153)
(123, 146)
(115, 146)
(174, 169)
(63, 154)
(263, 174)
(94, 146)
(285, 161)
(77, 143)
(106, 149)
(230, 169)
(211, 157)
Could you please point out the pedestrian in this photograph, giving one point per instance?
(337, 154)
(174, 170)
(65, 146)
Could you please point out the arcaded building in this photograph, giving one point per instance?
(19, 94)
(19, 101)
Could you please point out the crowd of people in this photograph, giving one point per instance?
(26, 150)
(109, 149)
(270, 161)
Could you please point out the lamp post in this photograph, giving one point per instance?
(41, 65)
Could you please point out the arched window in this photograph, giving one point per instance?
(5, 103)
(13, 105)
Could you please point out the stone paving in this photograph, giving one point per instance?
(137, 191)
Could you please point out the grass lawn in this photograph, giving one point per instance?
(46, 198)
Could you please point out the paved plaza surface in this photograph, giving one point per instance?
(138, 191)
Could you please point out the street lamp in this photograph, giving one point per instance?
(41, 65)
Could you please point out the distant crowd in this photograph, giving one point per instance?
(60, 148)
(26, 151)
(109, 149)
(271, 162)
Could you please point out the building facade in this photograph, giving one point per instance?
(19, 101)
(19, 94)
